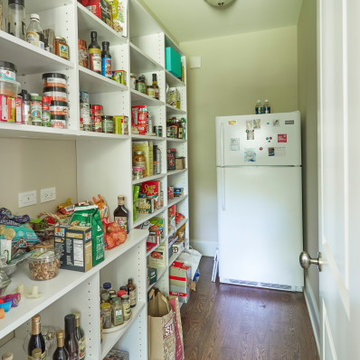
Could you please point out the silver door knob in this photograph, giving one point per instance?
(306, 260)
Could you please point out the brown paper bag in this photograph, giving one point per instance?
(161, 335)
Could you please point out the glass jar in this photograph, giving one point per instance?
(141, 84)
(126, 307)
(139, 161)
(17, 18)
(61, 47)
(117, 312)
(107, 124)
(106, 313)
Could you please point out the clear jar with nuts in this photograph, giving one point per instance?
(43, 264)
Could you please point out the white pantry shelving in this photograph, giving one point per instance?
(143, 52)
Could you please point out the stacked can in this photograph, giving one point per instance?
(55, 88)
(85, 119)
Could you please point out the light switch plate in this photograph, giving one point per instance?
(27, 198)
(195, 62)
(48, 194)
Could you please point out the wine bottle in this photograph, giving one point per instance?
(36, 354)
(71, 344)
(80, 336)
(36, 339)
(60, 353)
(94, 54)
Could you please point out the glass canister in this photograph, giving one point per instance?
(17, 18)
(126, 307)
(106, 313)
(141, 84)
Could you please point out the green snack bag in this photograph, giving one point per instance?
(90, 216)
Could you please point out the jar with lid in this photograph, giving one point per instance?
(117, 312)
(7, 70)
(141, 84)
(97, 113)
(107, 124)
(36, 109)
(126, 307)
(104, 294)
(17, 18)
(61, 47)
(139, 161)
(106, 313)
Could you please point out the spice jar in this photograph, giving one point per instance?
(139, 161)
(107, 124)
(17, 18)
(126, 307)
(61, 47)
(97, 118)
(36, 109)
(106, 313)
(83, 54)
(141, 84)
(46, 115)
(117, 312)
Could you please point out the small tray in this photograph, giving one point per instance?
(115, 328)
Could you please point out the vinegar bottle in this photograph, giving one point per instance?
(71, 344)
(60, 353)
(36, 340)
(94, 54)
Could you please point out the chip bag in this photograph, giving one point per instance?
(89, 216)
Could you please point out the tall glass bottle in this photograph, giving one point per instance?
(94, 54)
(34, 32)
(106, 60)
(155, 86)
(60, 353)
(36, 339)
(132, 293)
(121, 214)
(71, 344)
(36, 354)
(80, 336)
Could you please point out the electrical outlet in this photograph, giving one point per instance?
(27, 198)
(48, 194)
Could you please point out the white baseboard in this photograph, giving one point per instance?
(206, 248)
(313, 309)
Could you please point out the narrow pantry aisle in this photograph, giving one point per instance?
(227, 322)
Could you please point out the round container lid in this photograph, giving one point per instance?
(54, 75)
(7, 65)
(58, 103)
(54, 89)
(42, 255)
(35, 16)
(107, 285)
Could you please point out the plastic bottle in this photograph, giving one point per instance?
(259, 108)
(34, 32)
(267, 108)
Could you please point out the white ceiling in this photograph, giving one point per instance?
(190, 20)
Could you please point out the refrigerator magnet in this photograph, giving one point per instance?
(282, 138)
(234, 144)
(249, 124)
(271, 151)
(250, 135)
(249, 155)
(257, 123)
(276, 123)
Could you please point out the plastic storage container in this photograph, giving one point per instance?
(173, 61)
(43, 265)
(9, 88)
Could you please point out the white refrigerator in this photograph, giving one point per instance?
(258, 159)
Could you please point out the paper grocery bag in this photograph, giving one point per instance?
(161, 324)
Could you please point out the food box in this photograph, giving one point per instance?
(139, 120)
(183, 293)
(179, 163)
(145, 205)
(171, 215)
(173, 61)
(157, 258)
(101, 9)
(150, 188)
(3, 108)
(178, 192)
(154, 237)
(152, 275)
(74, 246)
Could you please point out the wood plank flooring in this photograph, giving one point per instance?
(228, 322)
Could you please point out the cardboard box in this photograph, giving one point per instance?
(101, 9)
(74, 246)
(180, 275)
(173, 61)
(150, 188)
(157, 258)
(145, 206)
(179, 163)
(152, 275)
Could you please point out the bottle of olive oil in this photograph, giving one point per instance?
(36, 340)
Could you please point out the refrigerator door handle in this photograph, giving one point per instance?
(222, 144)
(223, 189)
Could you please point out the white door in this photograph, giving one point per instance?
(339, 182)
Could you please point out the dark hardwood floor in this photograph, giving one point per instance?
(228, 322)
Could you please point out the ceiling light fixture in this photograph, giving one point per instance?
(219, 3)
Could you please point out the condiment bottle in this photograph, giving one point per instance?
(60, 352)
(70, 343)
(126, 307)
(117, 312)
(106, 60)
(80, 336)
(8, 356)
(16, 18)
(94, 54)
(121, 214)
(132, 293)
(34, 32)
(155, 86)
(36, 339)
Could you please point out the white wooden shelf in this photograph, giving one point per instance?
(174, 172)
(89, 22)
(176, 140)
(148, 178)
(147, 137)
(173, 81)
(159, 276)
(110, 339)
(28, 58)
(174, 110)
(138, 98)
(174, 257)
(59, 286)
(177, 200)
(177, 227)
(152, 249)
(95, 83)
(140, 62)
(13, 130)
(141, 218)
